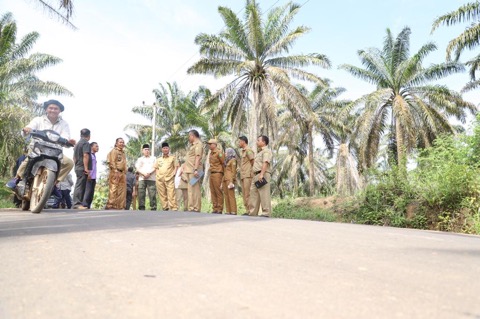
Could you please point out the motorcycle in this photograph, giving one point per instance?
(44, 162)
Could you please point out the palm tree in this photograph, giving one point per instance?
(256, 53)
(173, 114)
(404, 104)
(468, 39)
(322, 119)
(64, 11)
(293, 163)
(20, 86)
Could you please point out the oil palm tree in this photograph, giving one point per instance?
(64, 11)
(173, 114)
(404, 104)
(468, 39)
(256, 53)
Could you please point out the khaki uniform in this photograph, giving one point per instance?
(246, 174)
(229, 178)
(117, 179)
(261, 195)
(216, 160)
(166, 167)
(194, 191)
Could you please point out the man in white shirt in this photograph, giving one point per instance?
(50, 121)
(145, 167)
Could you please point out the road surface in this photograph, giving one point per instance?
(119, 264)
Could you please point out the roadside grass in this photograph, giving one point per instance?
(6, 196)
(289, 209)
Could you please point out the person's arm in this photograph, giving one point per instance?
(86, 158)
(266, 157)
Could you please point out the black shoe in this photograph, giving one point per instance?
(264, 216)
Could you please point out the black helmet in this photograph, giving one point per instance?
(60, 105)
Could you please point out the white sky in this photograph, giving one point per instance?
(124, 48)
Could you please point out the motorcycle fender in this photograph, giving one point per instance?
(49, 164)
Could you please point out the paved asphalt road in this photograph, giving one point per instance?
(99, 264)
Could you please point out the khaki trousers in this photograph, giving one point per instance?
(260, 196)
(230, 200)
(216, 191)
(246, 184)
(166, 192)
(65, 168)
(182, 197)
(194, 195)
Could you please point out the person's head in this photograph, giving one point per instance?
(120, 143)
(146, 150)
(229, 154)
(130, 169)
(242, 141)
(53, 108)
(212, 144)
(85, 133)
(262, 141)
(193, 135)
(94, 147)
(165, 148)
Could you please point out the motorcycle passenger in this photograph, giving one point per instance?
(50, 121)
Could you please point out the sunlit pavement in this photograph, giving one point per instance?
(119, 264)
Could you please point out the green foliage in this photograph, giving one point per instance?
(6, 196)
(441, 193)
(288, 209)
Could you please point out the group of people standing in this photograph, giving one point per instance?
(177, 182)
(172, 180)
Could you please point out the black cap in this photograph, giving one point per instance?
(165, 144)
(145, 146)
(60, 105)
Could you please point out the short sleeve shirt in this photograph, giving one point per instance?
(245, 165)
(216, 160)
(196, 149)
(165, 166)
(265, 155)
(81, 148)
(43, 123)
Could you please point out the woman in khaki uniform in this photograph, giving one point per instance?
(229, 181)
(117, 178)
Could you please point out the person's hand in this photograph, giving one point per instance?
(260, 177)
(72, 141)
(26, 130)
(230, 186)
(195, 174)
(87, 172)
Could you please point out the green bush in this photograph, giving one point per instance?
(287, 208)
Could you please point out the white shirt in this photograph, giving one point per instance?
(146, 165)
(178, 177)
(67, 183)
(43, 123)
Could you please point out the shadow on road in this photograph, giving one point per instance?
(15, 223)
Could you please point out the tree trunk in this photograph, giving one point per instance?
(253, 120)
(311, 173)
(401, 151)
(347, 179)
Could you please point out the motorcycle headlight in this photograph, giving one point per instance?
(52, 136)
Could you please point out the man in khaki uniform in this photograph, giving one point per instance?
(216, 160)
(166, 167)
(192, 169)
(246, 173)
(262, 168)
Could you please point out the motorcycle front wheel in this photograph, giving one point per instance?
(41, 189)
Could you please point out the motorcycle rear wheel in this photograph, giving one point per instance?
(41, 190)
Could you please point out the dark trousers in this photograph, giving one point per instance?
(129, 198)
(143, 187)
(64, 198)
(89, 192)
(80, 186)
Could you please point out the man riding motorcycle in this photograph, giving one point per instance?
(50, 121)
